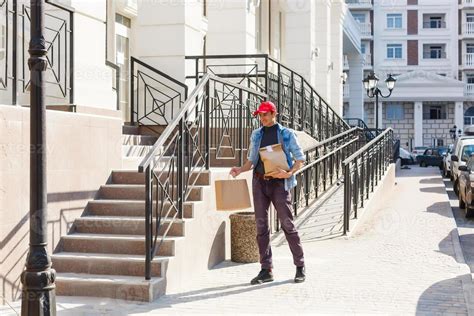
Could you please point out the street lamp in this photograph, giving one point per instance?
(373, 91)
(38, 288)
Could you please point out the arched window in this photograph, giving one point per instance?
(469, 116)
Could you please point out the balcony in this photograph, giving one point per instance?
(434, 25)
(469, 90)
(359, 4)
(434, 55)
(468, 2)
(345, 91)
(367, 60)
(468, 28)
(365, 29)
(469, 59)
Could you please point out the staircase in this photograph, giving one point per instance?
(153, 225)
(102, 255)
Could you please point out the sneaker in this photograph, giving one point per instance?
(300, 274)
(265, 275)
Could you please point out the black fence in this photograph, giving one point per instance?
(59, 38)
(362, 172)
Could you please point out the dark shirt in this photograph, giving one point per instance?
(270, 137)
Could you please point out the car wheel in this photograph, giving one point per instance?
(462, 204)
(423, 164)
(445, 172)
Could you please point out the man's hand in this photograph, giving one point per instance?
(235, 171)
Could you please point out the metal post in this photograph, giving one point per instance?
(279, 93)
(292, 101)
(38, 287)
(241, 128)
(376, 112)
(14, 43)
(180, 170)
(207, 127)
(132, 89)
(148, 219)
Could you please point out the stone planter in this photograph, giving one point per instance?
(244, 248)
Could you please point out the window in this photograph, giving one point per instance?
(434, 112)
(470, 78)
(470, 17)
(394, 51)
(122, 20)
(434, 21)
(394, 111)
(470, 48)
(363, 48)
(359, 17)
(394, 21)
(434, 51)
(467, 151)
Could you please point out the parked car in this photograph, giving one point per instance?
(419, 150)
(466, 181)
(463, 148)
(406, 158)
(447, 162)
(432, 157)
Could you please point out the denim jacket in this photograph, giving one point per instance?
(291, 148)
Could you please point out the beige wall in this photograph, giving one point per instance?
(81, 149)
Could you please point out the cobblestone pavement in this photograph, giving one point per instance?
(402, 260)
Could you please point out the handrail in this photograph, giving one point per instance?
(330, 139)
(61, 6)
(182, 112)
(265, 75)
(117, 80)
(141, 63)
(318, 160)
(169, 129)
(366, 146)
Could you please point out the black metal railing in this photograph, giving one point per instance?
(216, 110)
(369, 133)
(299, 105)
(59, 38)
(156, 97)
(362, 172)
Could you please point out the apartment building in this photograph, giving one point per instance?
(428, 45)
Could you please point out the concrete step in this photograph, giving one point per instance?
(116, 244)
(107, 264)
(139, 140)
(137, 192)
(135, 177)
(130, 208)
(125, 225)
(131, 288)
(135, 150)
(130, 130)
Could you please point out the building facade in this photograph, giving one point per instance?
(427, 46)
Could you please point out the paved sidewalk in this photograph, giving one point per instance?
(402, 260)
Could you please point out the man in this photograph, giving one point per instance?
(274, 189)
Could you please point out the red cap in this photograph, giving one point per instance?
(265, 107)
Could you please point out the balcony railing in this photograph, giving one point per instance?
(468, 2)
(469, 90)
(434, 25)
(365, 29)
(468, 28)
(367, 59)
(469, 59)
(434, 55)
(345, 90)
(354, 3)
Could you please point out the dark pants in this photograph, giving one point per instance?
(264, 192)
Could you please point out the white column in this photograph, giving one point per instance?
(322, 55)
(418, 123)
(336, 36)
(356, 91)
(459, 115)
(380, 109)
